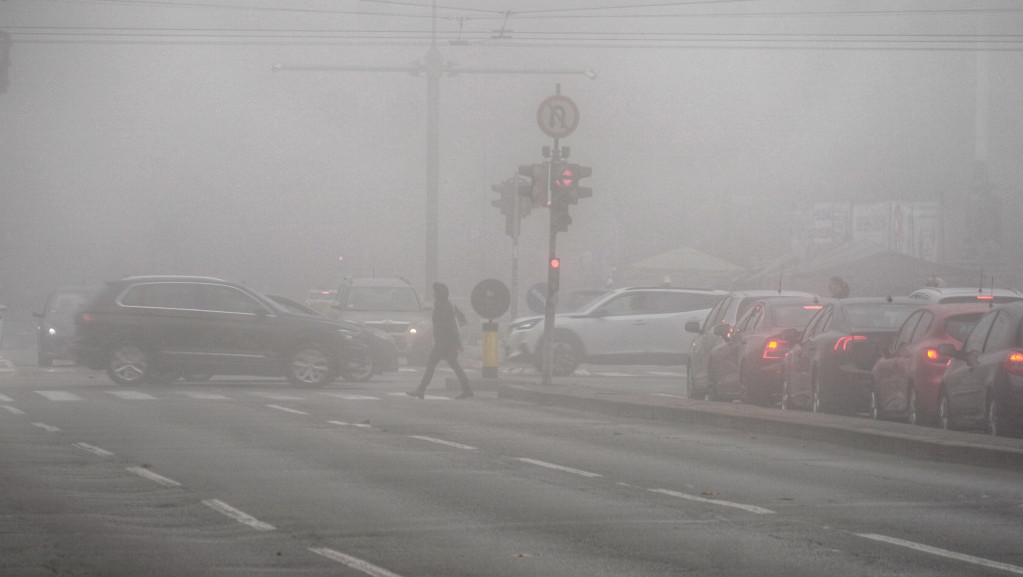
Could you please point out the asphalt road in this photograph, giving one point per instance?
(256, 477)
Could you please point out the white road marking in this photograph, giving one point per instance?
(46, 427)
(14, 410)
(278, 396)
(665, 374)
(353, 562)
(243, 518)
(132, 395)
(344, 424)
(612, 374)
(750, 508)
(668, 395)
(5, 399)
(146, 473)
(443, 442)
(59, 396)
(425, 397)
(93, 449)
(560, 468)
(349, 397)
(287, 410)
(206, 396)
(944, 553)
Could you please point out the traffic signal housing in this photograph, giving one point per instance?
(538, 175)
(564, 185)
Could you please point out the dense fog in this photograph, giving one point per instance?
(145, 137)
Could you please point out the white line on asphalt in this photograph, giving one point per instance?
(344, 424)
(4, 399)
(750, 508)
(944, 553)
(243, 518)
(59, 396)
(286, 409)
(665, 374)
(353, 562)
(14, 410)
(132, 395)
(612, 374)
(206, 396)
(425, 397)
(46, 427)
(93, 449)
(669, 396)
(349, 397)
(146, 473)
(443, 442)
(560, 468)
(278, 397)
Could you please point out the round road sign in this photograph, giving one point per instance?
(557, 116)
(490, 298)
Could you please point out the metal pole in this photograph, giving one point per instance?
(434, 68)
(549, 306)
(516, 228)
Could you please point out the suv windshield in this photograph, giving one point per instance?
(401, 299)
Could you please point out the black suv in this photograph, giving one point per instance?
(157, 328)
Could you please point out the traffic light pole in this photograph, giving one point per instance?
(552, 282)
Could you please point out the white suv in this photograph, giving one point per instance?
(637, 325)
(966, 295)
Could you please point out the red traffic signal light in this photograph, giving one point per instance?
(555, 262)
(565, 180)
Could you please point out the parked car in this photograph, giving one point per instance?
(381, 357)
(983, 385)
(725, 311)
(967, 295)
(829, 368)
(392, 306)
(746, 365)
(634, 325)
(157, 328)
(908, 375)
(57, 323)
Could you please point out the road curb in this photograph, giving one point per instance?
(892, 438)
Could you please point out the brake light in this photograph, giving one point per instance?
(812, 307)
(843, 343)
(931, 354)
(985, 297)
(1014, 363)
(776, 349)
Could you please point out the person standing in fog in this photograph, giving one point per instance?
(446, 344)
(838, 288)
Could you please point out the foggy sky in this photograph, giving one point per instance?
(163, 156)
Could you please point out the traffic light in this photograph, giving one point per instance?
(560, 219)
(538, 186)
(554, 275)
(565, 187)
(512, 191)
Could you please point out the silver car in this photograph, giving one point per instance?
(637, 325)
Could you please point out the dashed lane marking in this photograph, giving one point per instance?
(443, 442)
(944, 553)
(12, 409)
(5, 399)
(349, 397)
(45, 427)
(206, 396)
(353, 562)
(132, 395)
(93, 449)
(559, 467)
(243, 518)
(59, 396)
(287, 410)
(697, 498)
(147, 474)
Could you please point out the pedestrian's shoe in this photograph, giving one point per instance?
(464, 395)
(417, 394)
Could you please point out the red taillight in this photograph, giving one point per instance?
(985, 297)
(84, 318)
(843, 343)
(931, 354)
(776, 349)
(1014, 363)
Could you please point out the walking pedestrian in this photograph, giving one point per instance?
(446, 344)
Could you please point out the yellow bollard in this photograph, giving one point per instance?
(490, 350)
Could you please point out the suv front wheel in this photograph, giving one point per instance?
(129, 364)
(311, 364)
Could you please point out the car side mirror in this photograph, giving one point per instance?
(692, 326)
(722, 330)
(950, 351)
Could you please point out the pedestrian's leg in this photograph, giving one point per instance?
(457, 367)
(431, 365)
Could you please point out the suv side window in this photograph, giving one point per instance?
(221, 298)
(1001, 335)
(751, 319)
(905, 335)
(166, 295)
(626, 304)
(717, 314)
(926, 320)
(975, 342)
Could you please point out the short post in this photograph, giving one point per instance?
(490, 349)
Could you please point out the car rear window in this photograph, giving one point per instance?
(883, 316)
(959, 326)
(794, 316)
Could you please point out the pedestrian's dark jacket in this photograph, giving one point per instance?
(445, 330)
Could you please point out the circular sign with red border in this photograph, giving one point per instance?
(557, 116)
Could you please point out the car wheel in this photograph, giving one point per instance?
(358, 368)
(875, 404)
(944, 411)
(992, 416)
(565, 356)
(311, 364)
(129, 364)
(815, 385)
(913, 416)
(786, 399)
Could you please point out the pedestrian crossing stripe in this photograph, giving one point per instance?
(59, 396)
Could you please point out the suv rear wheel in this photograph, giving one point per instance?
(129, 364)
(311, 364)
